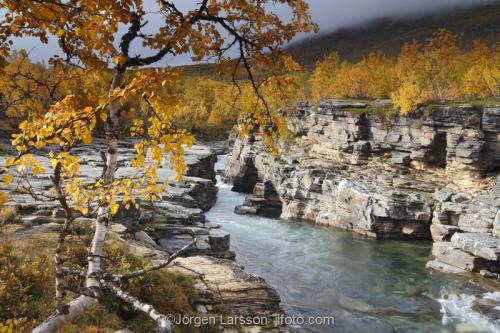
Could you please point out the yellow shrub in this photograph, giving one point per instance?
(8, 214)
(23, 283)
(408, 96)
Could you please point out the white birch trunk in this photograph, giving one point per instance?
(54, 323)
(161, 320)
(102, 222)
(78, 305)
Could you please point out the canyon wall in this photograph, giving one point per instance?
(430, 174)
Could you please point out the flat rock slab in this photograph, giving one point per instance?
(221, 281)
(174, 244)
(443, 267)
(484, 246)
(446, 253)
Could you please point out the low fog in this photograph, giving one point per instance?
(334, 14)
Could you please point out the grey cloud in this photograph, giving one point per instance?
(334, 14)
(329, 14)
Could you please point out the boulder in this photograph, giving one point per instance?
(219, 240)
(443, 267)
(145, 238)
(442, 232)
(401, 158)
(58, 213)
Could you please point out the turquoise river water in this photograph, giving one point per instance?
(368, 286)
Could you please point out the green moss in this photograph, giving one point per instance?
(382, 113)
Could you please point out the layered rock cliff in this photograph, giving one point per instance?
(430, 174)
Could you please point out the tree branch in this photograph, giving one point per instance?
(159, 265)
(164, 324)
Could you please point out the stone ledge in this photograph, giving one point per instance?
(442, 267)
(484, 246)
(446, 253)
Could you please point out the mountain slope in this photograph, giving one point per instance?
(389, 35)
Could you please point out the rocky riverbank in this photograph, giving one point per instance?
(429, 175)
(154, 232)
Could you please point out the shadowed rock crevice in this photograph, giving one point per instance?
(246, 180)
(436, 155)
(264, 201)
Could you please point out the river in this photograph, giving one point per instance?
(368, 286)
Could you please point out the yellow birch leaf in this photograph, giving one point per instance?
(7, 179)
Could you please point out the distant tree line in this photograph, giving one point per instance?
(438, 70)
(441, 69)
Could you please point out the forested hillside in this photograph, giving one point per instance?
(389, 35)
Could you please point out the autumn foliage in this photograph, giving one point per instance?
(438, 70)
(100, 86)
(102, 82)
(207, 107)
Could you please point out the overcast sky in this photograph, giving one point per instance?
(329, 14)
(334, 14)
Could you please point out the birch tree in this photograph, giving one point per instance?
(99, 36)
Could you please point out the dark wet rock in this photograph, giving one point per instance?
(219, 240)
(265, 201)
(200, 162)
(172, 213)
(192, 192)
(243, 174)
